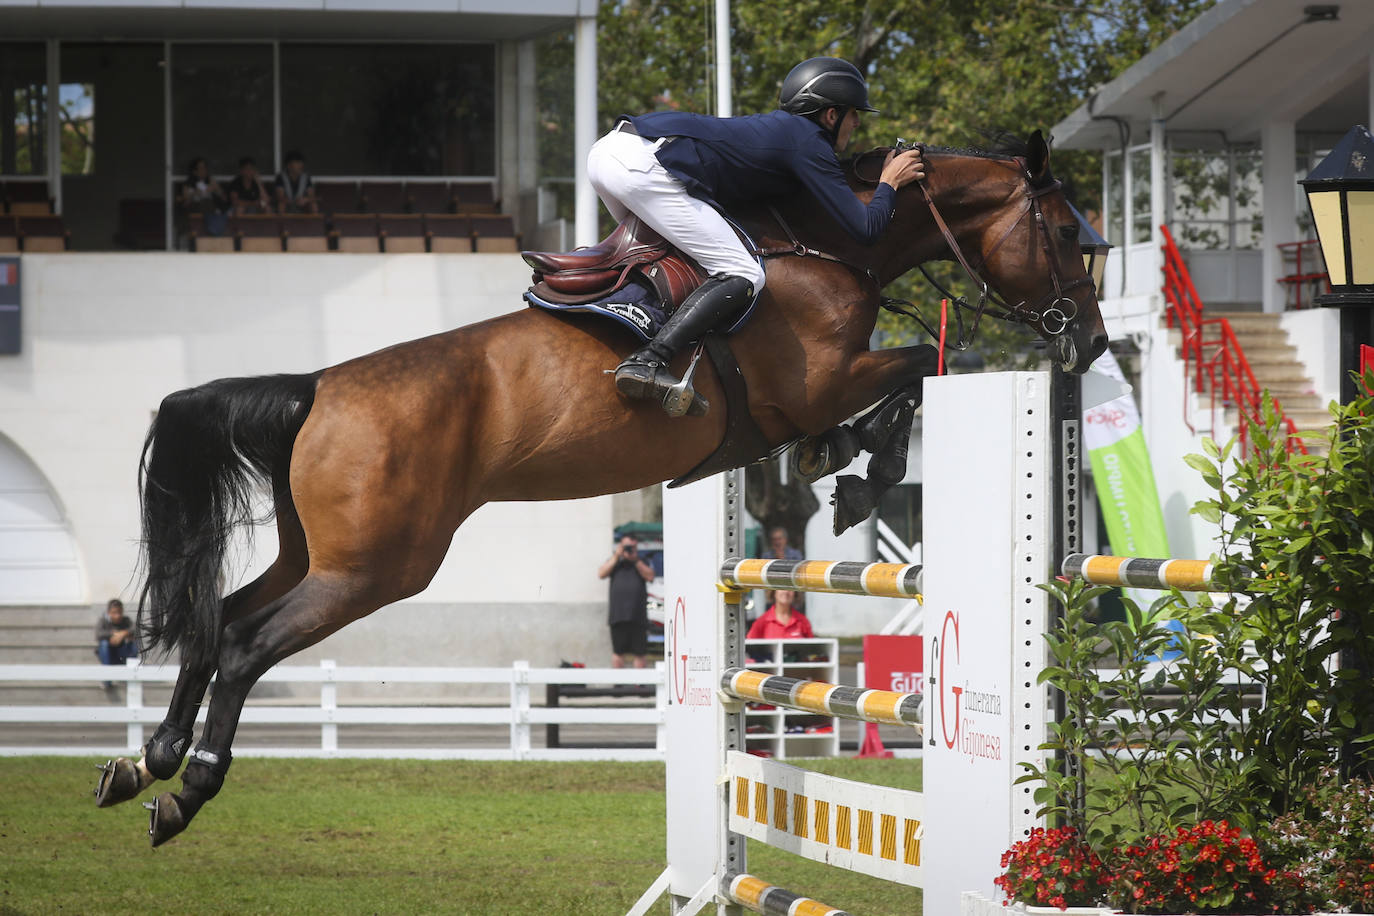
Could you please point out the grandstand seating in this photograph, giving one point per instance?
(427, 197)
(337, 196)
(257, 233)
(402, 233)
(43, 233)
(449, 234)
(304, 232)
(27, 198)
(356, 232)
(9, 234)
(474, 198)
(494, 232)
(383, 197)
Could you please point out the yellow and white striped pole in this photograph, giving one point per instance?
(883, 706)
(881, 580)
(1135, 572)
(771, 900)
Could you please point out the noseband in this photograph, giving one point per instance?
(1054, 311)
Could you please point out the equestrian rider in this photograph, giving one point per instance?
(677, 171)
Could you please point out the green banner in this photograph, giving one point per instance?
(1126, 491)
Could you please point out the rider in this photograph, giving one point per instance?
(676, 171)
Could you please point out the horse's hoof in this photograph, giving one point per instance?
(854, 501)
(165, 819)
(118, 782)
(810, 459)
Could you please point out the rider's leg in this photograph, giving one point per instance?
(645, 374)
(628, 171)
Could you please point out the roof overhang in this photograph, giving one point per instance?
(1239, 65)
(315, 20)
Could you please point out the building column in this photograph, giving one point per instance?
(527, 111)
(584, 130)
(1370, 123)
(1159, 194)
(1279, 147)
(508, 120)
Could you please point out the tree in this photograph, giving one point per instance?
(942, 73)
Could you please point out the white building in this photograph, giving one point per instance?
(106, 335)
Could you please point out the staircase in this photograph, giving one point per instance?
(1233, 360)
(1275, 364)
(54, 635)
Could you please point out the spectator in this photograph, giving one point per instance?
(201, 194)
(778, 544)
(779, 549)
(783, 620)
(114, 637)
(294, 189)
(628, 615)
(247, 194)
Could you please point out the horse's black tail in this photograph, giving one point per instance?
(208, 450)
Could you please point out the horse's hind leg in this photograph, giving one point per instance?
(122, 779)
(308, 613)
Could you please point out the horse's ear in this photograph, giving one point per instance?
(1037, 156)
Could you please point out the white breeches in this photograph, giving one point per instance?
(629, 179)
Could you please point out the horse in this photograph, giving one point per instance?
(374, 463)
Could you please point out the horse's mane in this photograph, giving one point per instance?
(1000, 145)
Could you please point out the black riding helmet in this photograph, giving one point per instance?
(824, 82)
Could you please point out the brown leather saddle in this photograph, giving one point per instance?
(632, 251)
(635, 252)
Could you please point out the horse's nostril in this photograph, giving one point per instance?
(1098, 345)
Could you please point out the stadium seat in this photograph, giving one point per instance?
(142, 224)
(356, 232)
(429, 197)
(449, 234)
(43, 233)
(257, 233)
(304, 232)
(494, 232)
(402, 233)
(474, 198)
(383, 197)
(9, 234)
(27, 198)
(201, 241)
(337, 196)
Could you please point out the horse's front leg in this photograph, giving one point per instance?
(895, 377)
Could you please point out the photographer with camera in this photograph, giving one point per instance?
(628, 607)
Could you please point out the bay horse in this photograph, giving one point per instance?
(374, 463)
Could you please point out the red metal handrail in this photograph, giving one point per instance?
(1212, 353)
(1299, 277)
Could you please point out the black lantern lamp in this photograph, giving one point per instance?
(1094, 248)
(1340, 193)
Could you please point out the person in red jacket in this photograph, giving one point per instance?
(782, 620)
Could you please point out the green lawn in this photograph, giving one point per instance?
(353, 836)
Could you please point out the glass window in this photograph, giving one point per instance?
(23, 108)
(1247, 190)
(222, 105)
(1141, 230)
(412, 109)
(1201, 204)
(78, 128)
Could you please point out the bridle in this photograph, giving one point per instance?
(1054, 311)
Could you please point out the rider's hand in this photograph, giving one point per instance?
(903, 168)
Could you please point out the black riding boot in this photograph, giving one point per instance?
(644, 375)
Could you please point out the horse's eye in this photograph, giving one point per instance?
(1068, 233)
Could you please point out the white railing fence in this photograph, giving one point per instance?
(519, 714)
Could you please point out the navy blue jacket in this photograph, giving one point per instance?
(735, 160)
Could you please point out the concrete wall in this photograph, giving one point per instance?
(1315, 333)
(106, 336)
